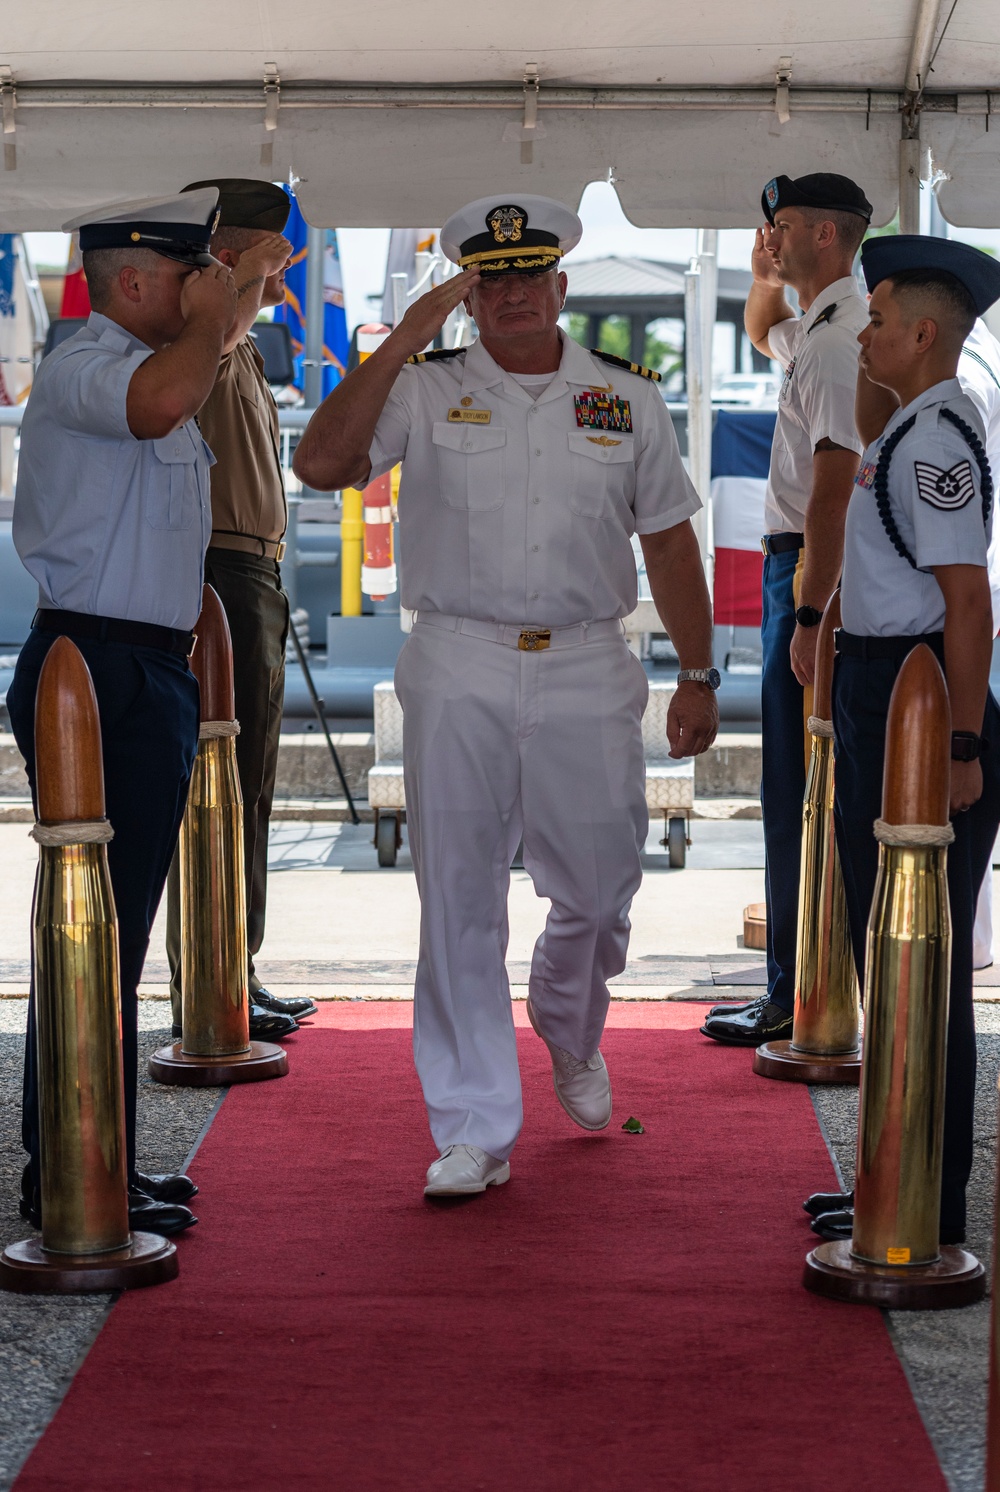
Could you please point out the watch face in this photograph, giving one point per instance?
(714, 678)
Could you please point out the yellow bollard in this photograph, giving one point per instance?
(85, 1244)
(894, 1258)
(352, 550)
(824, 1044)
(215, 1047)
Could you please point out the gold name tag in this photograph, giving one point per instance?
(469, 416)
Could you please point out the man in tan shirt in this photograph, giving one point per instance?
(240, 424)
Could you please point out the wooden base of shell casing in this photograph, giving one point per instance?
(171, 1064)
(147, 1259)
(780, 1060)
(956, 1279)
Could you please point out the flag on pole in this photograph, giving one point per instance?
(75, 296)
(741, 454)
(336, 342)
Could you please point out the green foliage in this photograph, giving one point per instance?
(615, 337)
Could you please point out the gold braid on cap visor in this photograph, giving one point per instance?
(500, 258)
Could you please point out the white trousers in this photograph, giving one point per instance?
(498, 745)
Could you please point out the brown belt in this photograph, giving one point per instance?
(248, 544)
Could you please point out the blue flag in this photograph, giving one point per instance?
(336, 342)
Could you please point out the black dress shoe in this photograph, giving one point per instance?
(267, 1025)
(173, 1187)
(730, 1009)
(821, 1202)
(298, 1007)
(761, 1021)
(840, 1224)
(145, 1214)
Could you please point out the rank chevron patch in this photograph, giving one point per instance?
(945, 489)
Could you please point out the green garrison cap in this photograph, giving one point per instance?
(248, 204)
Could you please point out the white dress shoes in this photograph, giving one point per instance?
(463, 1170)
(582, 1087)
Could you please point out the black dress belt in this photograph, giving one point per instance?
(870, 648)
(115, 629)
(781, 543)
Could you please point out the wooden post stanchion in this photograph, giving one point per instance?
(215, 1047)
(894, 1258)
(824, 1045)
(85, 1243)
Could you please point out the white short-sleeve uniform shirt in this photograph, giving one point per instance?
(517, 504)
(935, 498)
(979, 375)
(819, 353)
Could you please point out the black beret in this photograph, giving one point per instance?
(249, 204)
(821, 189)
(881, 258)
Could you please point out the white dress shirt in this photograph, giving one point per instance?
(512, 510)
(819, 353)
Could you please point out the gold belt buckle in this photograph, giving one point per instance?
(763, 544)
(279, 552)
(534, 641)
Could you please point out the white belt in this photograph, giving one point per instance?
(525, 639)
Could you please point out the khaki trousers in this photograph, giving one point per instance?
(257, 611)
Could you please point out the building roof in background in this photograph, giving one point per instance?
(645, 286)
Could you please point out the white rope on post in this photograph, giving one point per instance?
(86, 831)
(818, 727)
(214, 730)
(914, 836)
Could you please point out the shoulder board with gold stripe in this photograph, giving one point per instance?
(435, 354)
(623, 362)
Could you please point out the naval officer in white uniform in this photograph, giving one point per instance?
(528, 463)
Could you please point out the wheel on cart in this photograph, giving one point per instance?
(387, 838)
(677, 843)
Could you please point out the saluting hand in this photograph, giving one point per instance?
(265, 258)
(209, 294)
(762, 265)
(427, 316)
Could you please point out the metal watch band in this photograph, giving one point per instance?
(709, 676)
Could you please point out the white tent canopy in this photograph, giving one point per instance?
(390, 113)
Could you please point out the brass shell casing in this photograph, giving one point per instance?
(216, 1017)
(84, 1187)
(826, 985)
(897, 1202)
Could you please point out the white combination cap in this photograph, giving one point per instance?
(508, 235)
(178, 227)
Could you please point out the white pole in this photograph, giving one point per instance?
(694, 345)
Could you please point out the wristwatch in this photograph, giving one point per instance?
(808, 616)
(710, 676)
(966, 746)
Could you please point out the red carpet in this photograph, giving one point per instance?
(624, 1316)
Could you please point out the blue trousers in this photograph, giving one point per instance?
(783, 776)
(149, 706)
(861, 693)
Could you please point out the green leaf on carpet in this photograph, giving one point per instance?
(633, 1127)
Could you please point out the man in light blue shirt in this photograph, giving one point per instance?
(112, 519)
